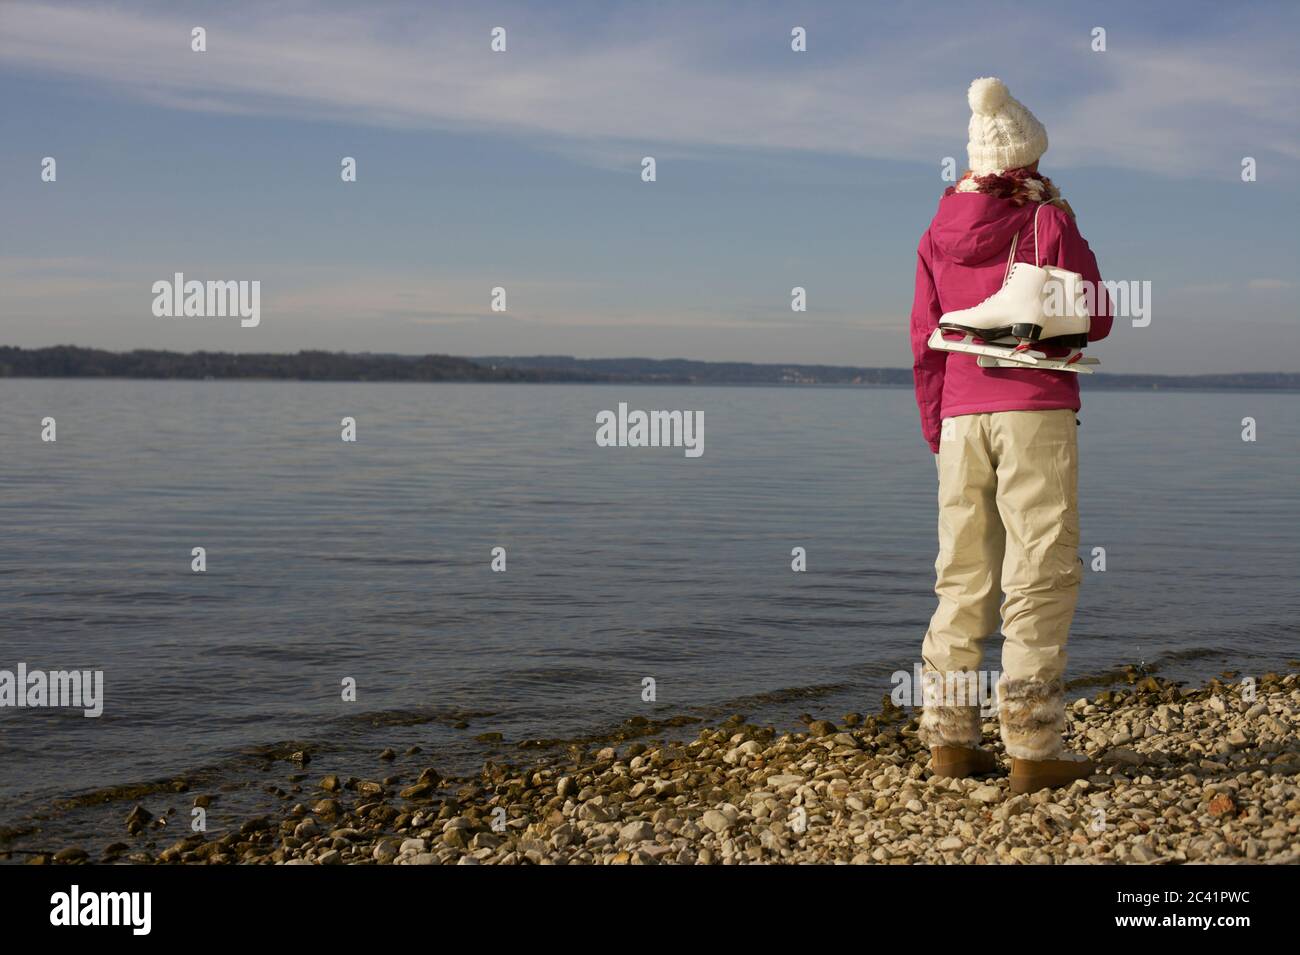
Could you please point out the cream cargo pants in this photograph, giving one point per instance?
(1008, 524)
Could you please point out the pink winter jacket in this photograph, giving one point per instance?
(961, 261)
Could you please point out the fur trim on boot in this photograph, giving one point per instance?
(950, 726)
(1032, 716)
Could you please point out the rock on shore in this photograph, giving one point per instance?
(1204, 775)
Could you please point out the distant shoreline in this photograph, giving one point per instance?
(67, 361)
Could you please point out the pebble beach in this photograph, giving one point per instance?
(1185, 775)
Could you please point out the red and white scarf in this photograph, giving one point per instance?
(1019, 185)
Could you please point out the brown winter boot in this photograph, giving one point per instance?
(958, 762)
(953, 735)
(1031, 775)
(1032, 715)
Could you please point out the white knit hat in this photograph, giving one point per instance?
(1003, 134)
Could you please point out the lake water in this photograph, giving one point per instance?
(372, 561)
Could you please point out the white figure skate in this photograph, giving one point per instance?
(1042, 305)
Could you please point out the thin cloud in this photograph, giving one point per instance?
(679, 83)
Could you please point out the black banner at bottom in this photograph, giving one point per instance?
(335, 904)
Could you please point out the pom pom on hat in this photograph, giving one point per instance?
(987, 95)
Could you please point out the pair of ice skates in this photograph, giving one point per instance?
(1037, 305)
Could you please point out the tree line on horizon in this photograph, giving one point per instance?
(69, 361)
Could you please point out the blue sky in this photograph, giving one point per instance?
(522, 170)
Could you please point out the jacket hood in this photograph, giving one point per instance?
(971, 227)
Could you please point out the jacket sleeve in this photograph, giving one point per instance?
(1069, 250)
(927, 363)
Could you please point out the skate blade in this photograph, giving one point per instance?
(1082, 366)
(969, 346)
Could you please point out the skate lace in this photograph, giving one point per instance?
(1011, 258)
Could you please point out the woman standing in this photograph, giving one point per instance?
(1006, 446)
